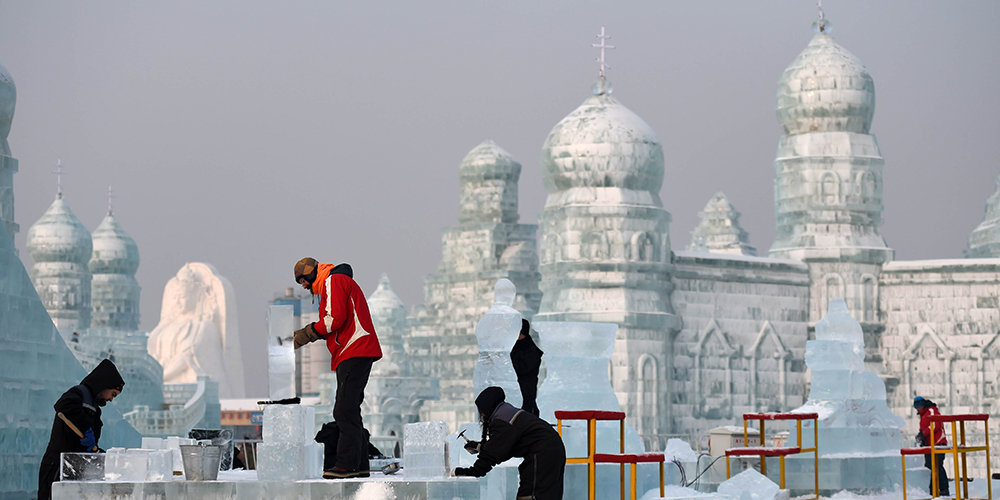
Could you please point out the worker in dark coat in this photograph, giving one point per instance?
(81, 405)
(510, 432)
(527, 358)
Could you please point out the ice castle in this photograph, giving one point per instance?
(714, 331)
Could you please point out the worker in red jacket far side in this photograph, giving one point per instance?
(346, 324)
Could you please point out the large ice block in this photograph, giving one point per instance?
(426, 449)
(288, 424)
(82, 467)
(749, 481)
(281, 461)
(280, 352)
(126, 465)
(496, 333)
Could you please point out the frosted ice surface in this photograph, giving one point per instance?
(288, 423)
(426, 450)
(839, 325)
(281, 461)
(496, 334)
(280, 352)
(160, 466)
(82, 467)
(126, 465)
(678, 449)
(749, 481)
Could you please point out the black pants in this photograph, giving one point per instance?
(942, 476)
(541, 474)
(352, 377)
(48, 473)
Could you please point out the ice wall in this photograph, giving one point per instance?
(36, 367)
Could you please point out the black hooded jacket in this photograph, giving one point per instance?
(81, 405)
(510, 432)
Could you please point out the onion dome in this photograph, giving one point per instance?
(488, 183)
(602, 144)
(59, 236)
(825, 89)
(115, 252)
(383, 302)
(8, 97)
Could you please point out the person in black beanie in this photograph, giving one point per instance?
(509, 432)
(81, 406)
(527, 358)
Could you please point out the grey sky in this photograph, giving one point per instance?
(250, 134)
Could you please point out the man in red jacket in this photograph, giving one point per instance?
(346, 324)
(926, 408)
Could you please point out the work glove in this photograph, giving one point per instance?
(472, 447)
(462, 471)
(305, 335)
(921, 440)
(89, 441)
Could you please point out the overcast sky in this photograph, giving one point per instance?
(250, 134)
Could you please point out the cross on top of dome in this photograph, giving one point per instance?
(602, 46)
(821, 25)
(59, 173)
(111, 196)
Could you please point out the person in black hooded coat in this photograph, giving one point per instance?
(526, 358)
(511, 432)
(81, 405)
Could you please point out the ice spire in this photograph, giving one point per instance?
(984, 242)
(111, 196)
(59, 173)
(602, 85)
(719, 230)
(821, 25)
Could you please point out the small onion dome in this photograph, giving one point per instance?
(8, 97)
(115, 252)
(383, 301)
(488, 183)
(59, 236)
(602, 144)
(825, 89)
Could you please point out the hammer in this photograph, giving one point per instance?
(462, 435)
(73, 427)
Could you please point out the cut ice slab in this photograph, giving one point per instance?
(749, 481)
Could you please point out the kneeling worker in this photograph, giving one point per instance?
(511, 432)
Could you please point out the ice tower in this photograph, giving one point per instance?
(487, 245)
(61, 248)
(719, 230)
(605, 251)
(828, 185)
(8, 164)
(114, 290)
(985, 239)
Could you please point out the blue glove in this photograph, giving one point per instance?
(89, 441)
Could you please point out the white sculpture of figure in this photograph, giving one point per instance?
(198, 333)
(496, 334)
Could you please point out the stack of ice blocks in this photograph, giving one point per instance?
(289, 452)
(133, 465)
(425, 450)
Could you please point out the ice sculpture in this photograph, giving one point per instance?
(496, 333)
(280, 352)
(576, 363)
(850, 401)
(198, 332)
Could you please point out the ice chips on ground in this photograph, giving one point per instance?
(749, 481)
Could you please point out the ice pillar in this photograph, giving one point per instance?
(280, 352)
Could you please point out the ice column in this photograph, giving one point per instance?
(850, 401)
(289, 452)
(496, 333)
(281, 352)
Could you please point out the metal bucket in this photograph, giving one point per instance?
(201, 461)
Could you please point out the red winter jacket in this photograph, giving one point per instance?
(925, 426)
(344, 320)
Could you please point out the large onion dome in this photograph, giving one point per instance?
(59, 236)
(115, 252)
(8, 97)
(825, 89)
(602, 144)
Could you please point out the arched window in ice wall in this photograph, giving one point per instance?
(830, 186)
(648, 394)
(833, 286)
(643, 249)
(869, 297)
